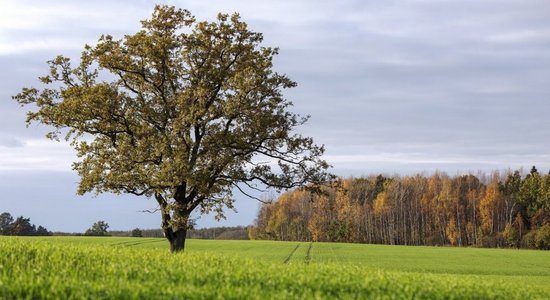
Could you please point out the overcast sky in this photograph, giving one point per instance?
(391, 86)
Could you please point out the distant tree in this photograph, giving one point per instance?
(529, 239)
(224, 233)
(488, 207)
(5, 223)
(530, 192)
(540, 218)
(152, 233)
(194, 112)
(511, 189)
(99, 228)
(510, 235)
(542, 237)
(544, 200)
(137, 232)
(451, 232)
(233, 234)
(259, 230)
(22, 226)
(42, 231)
(520, 227)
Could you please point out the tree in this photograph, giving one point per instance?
(5, 223)
(520, 226)
(22, 226)
(542, 237)
(544, 200)
(530, 192)
(511, 236)
(99, 228)
(511, 189)
(195, 111)
(137, 232)
(452, 233)
(488, 207)
(42, 231)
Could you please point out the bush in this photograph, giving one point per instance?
(542, 237)
(496, 240)
(541, 218)
(137, 233)
(510, 236)
(528, 240)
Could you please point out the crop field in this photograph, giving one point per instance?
(143, 268)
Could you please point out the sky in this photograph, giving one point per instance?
(393, 87)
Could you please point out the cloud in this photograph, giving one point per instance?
(36, 156)
(10, 142)
(32, 26)
(392, 86)
(445, 76)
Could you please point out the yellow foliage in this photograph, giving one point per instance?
(381, 204)
(451, 231)
(487, 206)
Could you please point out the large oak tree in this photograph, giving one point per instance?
(182, 111)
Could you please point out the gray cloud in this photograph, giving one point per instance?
(10, 142)
(392, 86)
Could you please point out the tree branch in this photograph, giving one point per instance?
(248, 195)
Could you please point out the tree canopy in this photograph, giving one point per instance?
(192, 111)
(99, 228)
(20, 226)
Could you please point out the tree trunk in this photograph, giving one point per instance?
(176, 230)
(174, 225)
(177, 243)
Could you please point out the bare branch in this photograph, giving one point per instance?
(248, 195)
(151, 211)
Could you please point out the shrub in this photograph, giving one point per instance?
(528, 240)
(542, 237)
(510, 235)
(137, 233)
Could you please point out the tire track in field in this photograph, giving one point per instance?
(307, 259)
(289, 257)
(336, 257)
(123, 243)
(146, 242)
(133, 243)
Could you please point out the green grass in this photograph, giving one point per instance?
(142, 268)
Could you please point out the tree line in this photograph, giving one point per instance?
(212, 233)
(20, 226)
(219, 233)
(504, 209)
(23, 227)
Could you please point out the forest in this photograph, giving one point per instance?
(503, 209)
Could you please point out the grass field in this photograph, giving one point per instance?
(128, 268)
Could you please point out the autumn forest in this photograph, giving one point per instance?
(503, 209)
